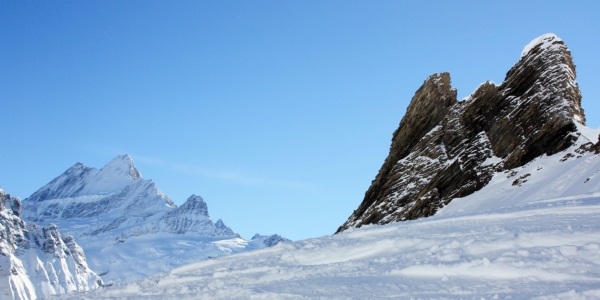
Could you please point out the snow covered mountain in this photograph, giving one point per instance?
(84, 192)
(127, 226)
(270, 240)
(517, 218)
(38, 261)
(446, 149)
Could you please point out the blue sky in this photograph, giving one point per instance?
(278, 113)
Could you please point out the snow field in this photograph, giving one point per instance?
(548, 253)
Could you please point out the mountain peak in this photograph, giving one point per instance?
(193, 205)
(270, 240)
(224, 228)
(546, 71)
(544, 41)
(80, 180)
(122, 165)
(220, 224)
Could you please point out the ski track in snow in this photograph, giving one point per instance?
(503, 242)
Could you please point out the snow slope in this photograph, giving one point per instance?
(536, 239)
(568, 175)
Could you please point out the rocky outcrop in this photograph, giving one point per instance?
(444, 148)
(38, 261)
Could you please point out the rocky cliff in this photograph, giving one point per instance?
(445, 148)
(38, 261)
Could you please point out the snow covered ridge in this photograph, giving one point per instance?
(537, 237)
(445, 149)
(80, 180)
(38, 261)
(128, 228)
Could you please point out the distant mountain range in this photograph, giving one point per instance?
(127, 227)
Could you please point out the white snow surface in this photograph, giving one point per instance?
(591, 134)
(538, 238)
(545, 39)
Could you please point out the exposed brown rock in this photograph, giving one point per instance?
(444, 148)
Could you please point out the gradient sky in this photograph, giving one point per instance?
(278, 113)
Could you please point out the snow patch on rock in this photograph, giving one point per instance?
(545, 41)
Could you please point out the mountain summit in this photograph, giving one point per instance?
(446, 149)
(80, 180)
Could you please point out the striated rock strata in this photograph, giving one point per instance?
(445, 149)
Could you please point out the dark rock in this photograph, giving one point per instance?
(444, 148)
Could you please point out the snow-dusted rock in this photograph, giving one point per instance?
(189, 218)
(220, 224)
(446, 149)
(38, 261)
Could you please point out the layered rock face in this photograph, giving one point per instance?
(38, 261)
(445, 149)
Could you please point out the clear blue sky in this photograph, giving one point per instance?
(278, 113)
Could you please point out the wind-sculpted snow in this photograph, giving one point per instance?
(126, 225)
(38, 261)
